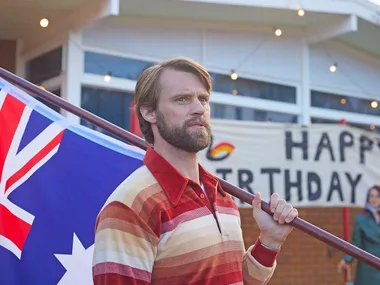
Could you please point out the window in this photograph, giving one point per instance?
(128, 68)
(315, 120)
(368, 127)
(221, 111)
(44, 67)
(113, 106)
(120, 67)
(253, 88)
(343, 103)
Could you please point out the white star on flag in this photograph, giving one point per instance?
(78, 264)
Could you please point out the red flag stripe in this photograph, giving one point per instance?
(10, 116)
(13, 228)
(37, 158)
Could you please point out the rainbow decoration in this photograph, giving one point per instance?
(223, 147)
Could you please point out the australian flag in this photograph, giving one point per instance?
(55, 177)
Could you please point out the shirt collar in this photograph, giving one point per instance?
(171, 180)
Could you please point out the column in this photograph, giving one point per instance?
(304, 94)
(73, 68)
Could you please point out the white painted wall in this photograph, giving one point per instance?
(252, 53)
(138, 39)
(358, 74)
(255, 55)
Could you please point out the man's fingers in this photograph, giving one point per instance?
(274, 199)
(285, 213)
(292, 215)
(279, 208)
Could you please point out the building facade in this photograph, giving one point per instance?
(322, 66)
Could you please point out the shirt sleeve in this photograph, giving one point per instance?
(259, 264)
(125, 247)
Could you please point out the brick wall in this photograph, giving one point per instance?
(304, 259)
(8, 55)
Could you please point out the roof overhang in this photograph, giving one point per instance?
(354, 22)
(20, 19)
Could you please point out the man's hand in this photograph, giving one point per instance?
(274, 230)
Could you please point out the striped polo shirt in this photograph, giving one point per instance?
(159, 227)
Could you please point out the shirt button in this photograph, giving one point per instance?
(202, 196)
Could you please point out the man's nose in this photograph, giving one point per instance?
(197, 107)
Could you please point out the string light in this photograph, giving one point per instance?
(343, 101)
(233, 75)
(235, 92)
(107, 77)
(278, 32)
(333, 67)
(44, 23)
(374, 104)
(301, 13)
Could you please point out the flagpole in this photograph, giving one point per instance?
(233, 190)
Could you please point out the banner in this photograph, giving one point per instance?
(54, 179)
(319, 165)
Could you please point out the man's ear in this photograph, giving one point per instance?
(148, 115)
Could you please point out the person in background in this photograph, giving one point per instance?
(366, 235)
(170, 222)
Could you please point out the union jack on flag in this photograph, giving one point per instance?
(54, 178)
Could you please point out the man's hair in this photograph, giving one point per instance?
(148, 87)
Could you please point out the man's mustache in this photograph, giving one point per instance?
(197, 121)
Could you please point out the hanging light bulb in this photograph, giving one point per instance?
(374, 104)
(233, 75)
(333, 67)
(235, 92)
(372, 127)
(44, 23)
(343, 101)
(301, 12)
(107, 77)
(278, 32)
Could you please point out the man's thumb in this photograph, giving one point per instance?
(256, 203)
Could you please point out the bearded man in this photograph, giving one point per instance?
(170, 222)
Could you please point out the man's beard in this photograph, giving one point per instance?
(180, 138)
